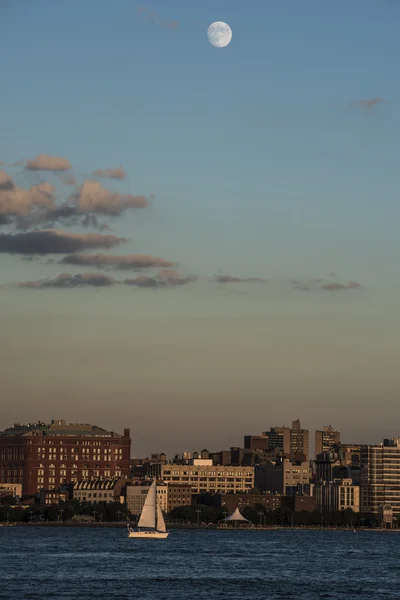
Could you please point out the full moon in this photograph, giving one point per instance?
(219, 34)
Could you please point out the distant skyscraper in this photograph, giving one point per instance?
(326, 438)
(279, 439)
(299, 440)
(289, 442)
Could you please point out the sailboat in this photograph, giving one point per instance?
(151, 523)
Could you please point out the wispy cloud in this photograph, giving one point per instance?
(303, 287)
(68, 180)
(65, 280)
(129, 261)
(164, 279)
(143, 281)
(368, 104)
(54, 241)
(231, 279)
(118, 173)
(332, 287)
(43, 162)
(173, 278)
(156, 18)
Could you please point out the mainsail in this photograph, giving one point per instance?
(160, 520)
(148, 516)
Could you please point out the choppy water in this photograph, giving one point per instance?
(239, 565)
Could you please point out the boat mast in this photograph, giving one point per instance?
(155, 508)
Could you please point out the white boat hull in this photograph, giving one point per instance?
(157, 535)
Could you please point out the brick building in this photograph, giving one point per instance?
(44, 456)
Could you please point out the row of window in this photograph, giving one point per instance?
(77, 443)
(10, 472)
(210, 473)
(220, 478)
(86, 494)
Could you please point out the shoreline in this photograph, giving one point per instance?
(193, 527)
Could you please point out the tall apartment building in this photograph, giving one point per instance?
(293, 442)
(210, 478)
(380, 477)
(339, 494)
(325, 439)
(278, 439)
(299, 440)
(44, 456)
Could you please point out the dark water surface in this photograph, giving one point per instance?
(103, 564)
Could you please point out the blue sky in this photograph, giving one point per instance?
(262, 162)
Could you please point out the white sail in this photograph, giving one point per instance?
(160, 520)
(148, 516)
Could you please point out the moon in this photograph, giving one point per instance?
(219, 34)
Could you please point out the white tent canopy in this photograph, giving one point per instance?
(236, 516)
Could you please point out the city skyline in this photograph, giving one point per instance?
(196, 239)
(154, 449)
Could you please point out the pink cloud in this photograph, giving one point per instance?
(93, 197)
(17, 201)
(43, 162)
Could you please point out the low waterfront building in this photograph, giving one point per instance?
(48, 497)
(241, 501)
(210, 478)
(98, 490)
(337, 495)
(135, 496)
(11, 489)
(169, 496)
(300, 503)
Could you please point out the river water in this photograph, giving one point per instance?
(83, 563)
